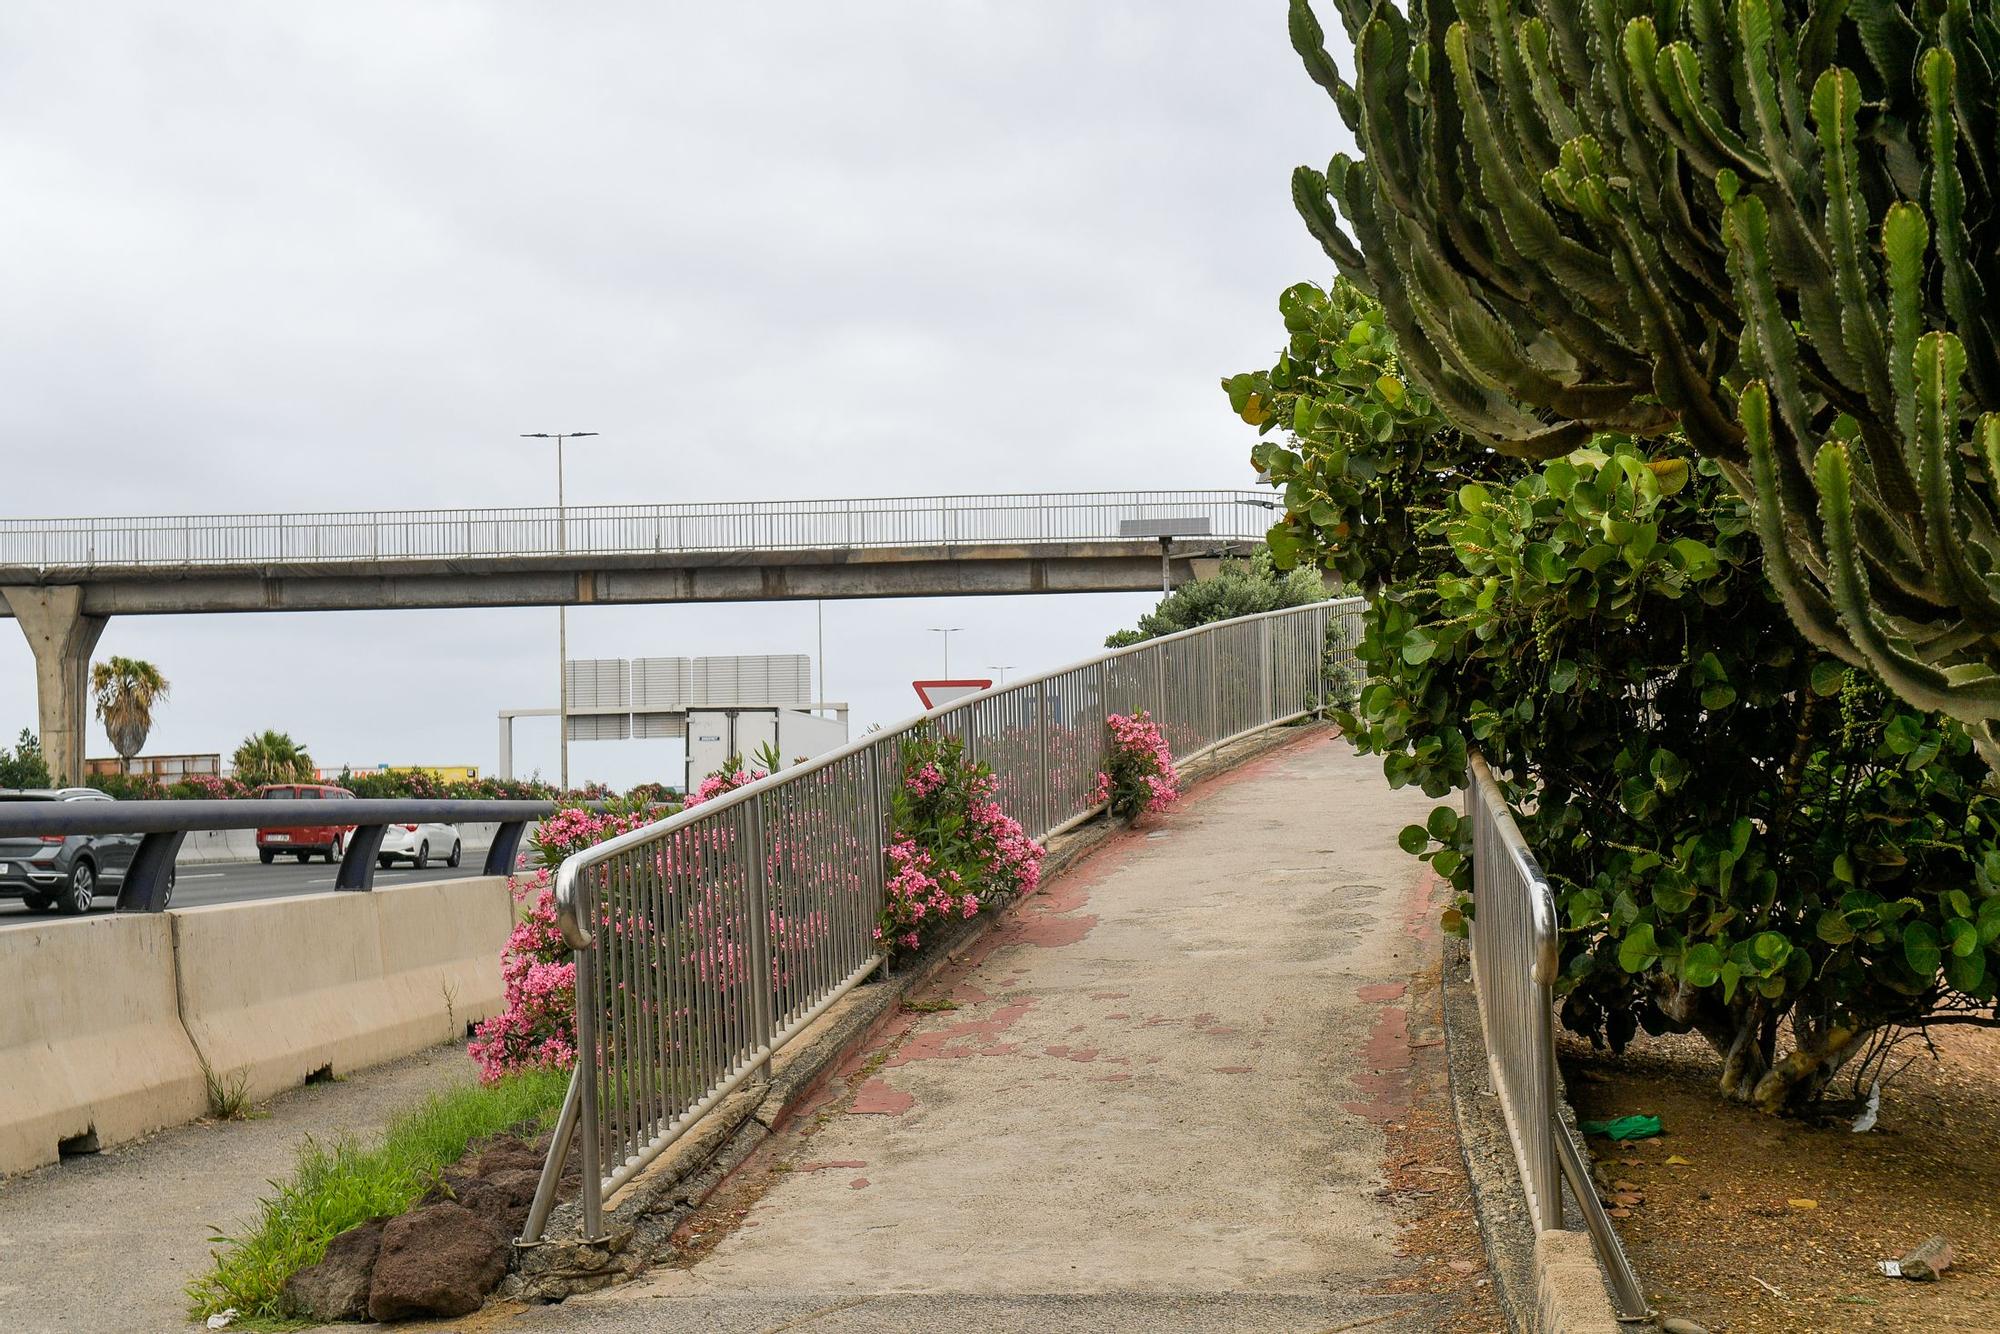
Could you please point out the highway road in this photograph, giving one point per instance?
(233, 882)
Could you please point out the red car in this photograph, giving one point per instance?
(302, 841)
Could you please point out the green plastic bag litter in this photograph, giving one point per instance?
(1624, 1127)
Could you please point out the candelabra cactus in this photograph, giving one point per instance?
(1768, 226)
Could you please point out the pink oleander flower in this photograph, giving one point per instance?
(1140, 776)
(715, 785)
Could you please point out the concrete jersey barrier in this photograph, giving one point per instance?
(441, 943)
(92, 1051)
(279, 991)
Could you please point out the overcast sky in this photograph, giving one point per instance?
(338, 256)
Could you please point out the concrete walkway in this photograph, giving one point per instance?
(107, 1242)
(1163, 1103)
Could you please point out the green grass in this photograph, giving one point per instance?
(337, 1186)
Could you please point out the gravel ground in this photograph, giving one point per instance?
(1770, 1224)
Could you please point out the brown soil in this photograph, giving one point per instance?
(1804, 1208)
(1425, 1175)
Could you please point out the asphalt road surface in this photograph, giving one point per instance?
(233, 882)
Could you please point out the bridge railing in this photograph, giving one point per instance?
(707, 941)
(161, 826)
(1515, 948)
(633, 530)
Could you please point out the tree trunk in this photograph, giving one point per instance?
(1745, 1036)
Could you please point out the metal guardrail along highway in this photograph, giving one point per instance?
(707, 941)
(141, 542)
(1514, 970)
(164, 824)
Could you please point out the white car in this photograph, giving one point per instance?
(419, 845)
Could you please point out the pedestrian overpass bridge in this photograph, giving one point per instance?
(62, 578)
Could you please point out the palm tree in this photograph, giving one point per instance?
(271, 757)
(127, 689)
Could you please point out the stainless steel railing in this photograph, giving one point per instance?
(177, 541)
(705, 942)
(1515, 953)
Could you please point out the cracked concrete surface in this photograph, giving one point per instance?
(1159, 1104)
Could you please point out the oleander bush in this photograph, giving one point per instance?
(537, 1029)
(1140, 776)
(953, 851)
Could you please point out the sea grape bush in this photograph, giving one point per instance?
(953, 851)
(1141, 776)
(1747, 838)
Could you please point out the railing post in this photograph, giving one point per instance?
(357, 864)
(1048, 809)
(149, 879)
(588, 1062)
(1214, 689)
(560, 1145)
(759, 909)
(505, 849)
(1264, 659)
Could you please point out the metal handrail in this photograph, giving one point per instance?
(163, 825)
(1515, 965)
(664, 1035)
(374, 536)
(574, 865)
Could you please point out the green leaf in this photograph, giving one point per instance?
(1638, 950)
(1414, 839)
(1696, 558)
(1672, 898)
(1702, 965)
(1967, 973)
(1961, 937)
(1834, 928)
(1903, 733)
(1828, 677)
(1442, 824)
(1472, 498)
(1771, 949)
(1921, 950)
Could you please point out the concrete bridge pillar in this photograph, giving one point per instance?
(62, 638)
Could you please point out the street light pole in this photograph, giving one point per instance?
(1003, 672)
(562, 608)
(946, 631)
